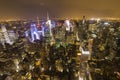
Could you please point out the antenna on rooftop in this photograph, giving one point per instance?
(38, 21)
(48, 17)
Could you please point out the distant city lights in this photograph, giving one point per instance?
(106, 23)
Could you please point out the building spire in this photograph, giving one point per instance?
(38, 21)
(48, 17)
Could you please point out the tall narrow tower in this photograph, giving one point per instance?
(83, 21)
(49, 23)
(38, 21)
(48, 17)
(68, 25)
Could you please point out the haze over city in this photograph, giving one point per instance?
(14, 9)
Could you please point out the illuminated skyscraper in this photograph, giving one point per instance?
(42, 27)
(5, 33)
(69, 26)
(67, 23)
(34, 32)
(49, 23)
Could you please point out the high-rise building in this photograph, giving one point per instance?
(7, 36)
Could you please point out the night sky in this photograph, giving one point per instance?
(10, 9)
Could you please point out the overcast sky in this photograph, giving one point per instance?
(59, 8)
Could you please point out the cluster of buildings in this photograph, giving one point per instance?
(10, 31)
(7, 36)
(96, 39)
(36, 30)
